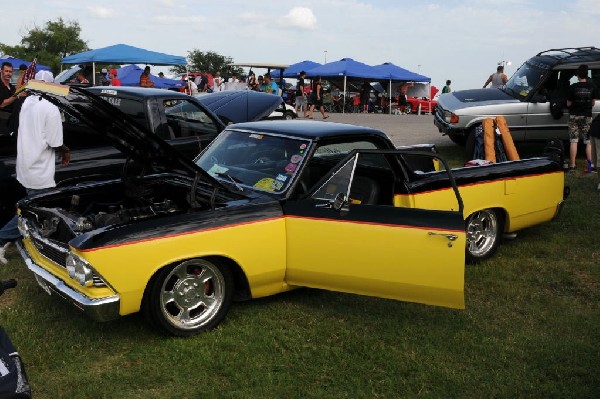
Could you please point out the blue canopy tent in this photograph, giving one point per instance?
(347, 67)
(123, 54)
(293, 71)
(129, 75)
(397, 73)
(16, 63)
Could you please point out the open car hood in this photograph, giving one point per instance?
(132, 139)
(240, 105)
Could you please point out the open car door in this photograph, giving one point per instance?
(347, 236)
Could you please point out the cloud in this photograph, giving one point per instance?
(187, 20)
(300, 17)
(101, 12)
(588, 7)
(166, 3)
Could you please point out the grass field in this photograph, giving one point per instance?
(531, 329)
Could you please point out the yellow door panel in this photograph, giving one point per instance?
(404, 262)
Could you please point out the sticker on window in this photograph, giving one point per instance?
(291, 167)
(217, 169)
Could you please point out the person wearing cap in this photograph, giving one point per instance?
(114, 81)
(40, 137)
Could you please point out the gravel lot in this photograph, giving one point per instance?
(402, 129)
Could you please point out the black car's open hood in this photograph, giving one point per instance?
(134, 140)
(240, 105)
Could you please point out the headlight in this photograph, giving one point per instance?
(22, 225)
(79, 270)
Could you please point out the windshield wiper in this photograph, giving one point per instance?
(234, 180)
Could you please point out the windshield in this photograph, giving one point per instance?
(524, 80)
(262, 161)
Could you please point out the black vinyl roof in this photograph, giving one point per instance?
(307, 129)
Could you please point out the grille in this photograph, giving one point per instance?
(58, 255)
(53, 252)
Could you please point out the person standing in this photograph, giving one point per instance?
(403, 96)
(580, 100)
(447, 89)
(40, 136)
(365, 94)
(202, 82)
(595, 140)
(317, 98)
(145, 80)
(300, 104)
(219, 82)
(192, 87)
(497, 79)
(7, 90)
(114, 81)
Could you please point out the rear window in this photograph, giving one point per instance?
(131, 107)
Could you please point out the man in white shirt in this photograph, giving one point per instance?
(40, 136)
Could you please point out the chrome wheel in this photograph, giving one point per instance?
(190, 297)
(408, 108)
(482, 235)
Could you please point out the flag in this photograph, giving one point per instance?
(30, 72)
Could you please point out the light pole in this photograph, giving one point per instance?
(325, 53)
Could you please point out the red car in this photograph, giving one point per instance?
(427, 103)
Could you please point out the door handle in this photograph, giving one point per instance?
(451, 237)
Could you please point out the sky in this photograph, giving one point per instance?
(460, 40)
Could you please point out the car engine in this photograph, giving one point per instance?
(61, 218)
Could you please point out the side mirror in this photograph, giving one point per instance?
(340, 202)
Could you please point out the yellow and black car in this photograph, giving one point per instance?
(267, 207)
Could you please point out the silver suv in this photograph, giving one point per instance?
(524, 101)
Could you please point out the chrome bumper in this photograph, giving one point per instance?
(103, 309)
